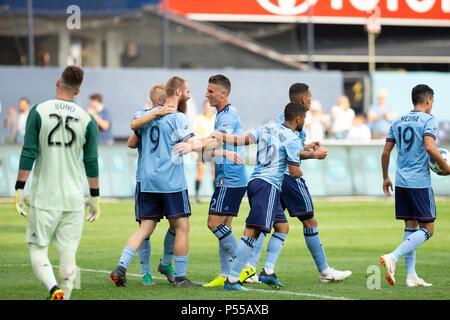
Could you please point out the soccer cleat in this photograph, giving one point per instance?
(270, 279)
(147, 280)
(247, 273)
(167, 271)
(217, 282)
(253, 279)
(56, 294)
(119, 276)
(185, 282)
(389, 261)
(415, 281)
(233, 286)
(330, 275)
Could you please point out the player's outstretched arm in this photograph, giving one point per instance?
(233, 139)
(385, 158)
(433, 151)
(148, 117)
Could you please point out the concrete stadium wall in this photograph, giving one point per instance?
(348, 170)
(260, 95)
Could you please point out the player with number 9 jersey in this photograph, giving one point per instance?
(57, 132)
(163, 170)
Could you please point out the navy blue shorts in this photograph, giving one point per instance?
(295, 197)
(415, 204)
(155, 206)
(226, 201)
(265, 206)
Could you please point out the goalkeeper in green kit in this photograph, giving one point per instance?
(58, 134)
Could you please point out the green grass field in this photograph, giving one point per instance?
(354, 234)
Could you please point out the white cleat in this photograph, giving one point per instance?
(389, 261)
(415, 281)
(253, 279)
(330, 275)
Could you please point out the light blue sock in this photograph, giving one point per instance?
(243, 252)
(273, 249)
(225, 261)
(169, 243)
(315, 247)
(412, 242)
(181, 265)
(144, 252)
(257, 249)
(126, 257)
(226, 239)
(410, 258)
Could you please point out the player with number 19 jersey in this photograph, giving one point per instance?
(408, 133)
(57, 132)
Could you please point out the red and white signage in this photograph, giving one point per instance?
(392, 12)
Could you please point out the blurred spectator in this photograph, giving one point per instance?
(443, 135)
(11, 123)
(316, 122)
(102, 117)
(381, 116)
(203, 127)
(359, 130)
(342, 115)
(24, 108)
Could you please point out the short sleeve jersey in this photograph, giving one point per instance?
(300, 134)
(408, 133)
(278, 147)
(162, 171)
(229, 174)
(59, 133)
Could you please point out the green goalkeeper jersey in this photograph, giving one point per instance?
(60, 137)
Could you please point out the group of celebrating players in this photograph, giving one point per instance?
(162, 134)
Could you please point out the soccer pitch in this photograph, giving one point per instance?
(354, 232)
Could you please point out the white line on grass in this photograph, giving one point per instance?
(291, 293)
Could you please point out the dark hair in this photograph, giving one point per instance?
(420, 93)
(294, 109)
(96, 96)
(297, 90)
(72, 77)
(222, 81)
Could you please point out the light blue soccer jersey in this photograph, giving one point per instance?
(161, 170)
(278, 146)
(408, 132)
(300, 134)
(229, 174)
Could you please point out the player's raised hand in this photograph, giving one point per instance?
(320, 153)
(182, 148)
(387, 187)
(234, 157)
(20, 201)
(166, 109)
(93, 206)
(315, 145)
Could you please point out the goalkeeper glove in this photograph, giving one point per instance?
(21, 200)
(93, 204)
